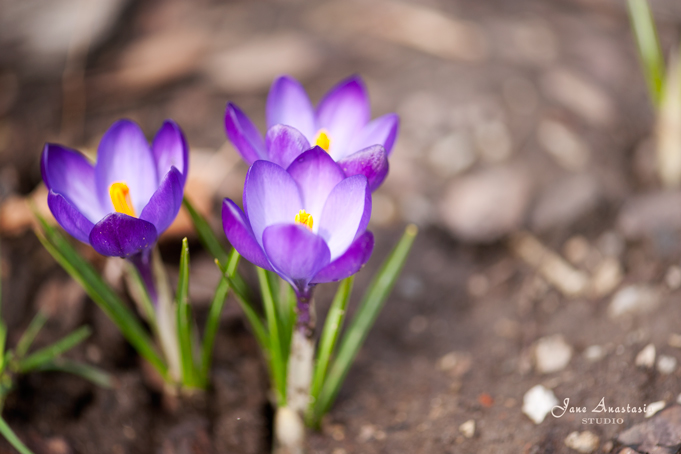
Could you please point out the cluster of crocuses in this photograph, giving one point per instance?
(306, 199)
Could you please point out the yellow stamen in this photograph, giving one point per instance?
(120, 197)
(323, 140)
(305, 218)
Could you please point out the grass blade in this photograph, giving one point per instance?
(213, 321)
(29, 335)
(261, 334)
(47, 354)
(93, 374)
(278, 366)
(649, 50)
(368, 310)
(12, 438)
(100, 292)
(184, 321)
(327, 342)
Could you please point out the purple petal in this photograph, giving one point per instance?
(350, 262)
(124, 156)
(120, 235)
(288, 104)
(170, 150)
(270, 197)
(68, 216)
(343, 112)
(284, 144)
(296, 253)
(381, 131)
(70, 174)
(344, 213)
(244, 135)
(240, 235)
(371, 162)
(166, 201)
(316, 174)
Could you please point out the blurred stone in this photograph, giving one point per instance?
(566, 147)
(251, 67)
(565, 202)
(673, 277)
(552, 354)
(585, 442)
(594, 353)
(649, 214)
(487, 205)
(538, 402)
(493, 141)
(654, 408)
(576, 249)
(646, 357)
(579, 95)
(468, 428)
(606, 277)
(452, 154)
(634, 299)
(674, 340)
(666, 364)
(456, 363)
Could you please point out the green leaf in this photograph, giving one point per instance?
(47, 354)
(140, 294)
(12, 438)
(650, 52)
(101, 293)
(327, 342)
(246, 305)
(29, 335)
(93, 374)
(368, 310)
(184, 320)
(213, 321)
(277, 364)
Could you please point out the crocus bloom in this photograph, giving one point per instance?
(121, 204)
(307, 223)
(340, 125)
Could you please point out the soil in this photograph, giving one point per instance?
(456, 340)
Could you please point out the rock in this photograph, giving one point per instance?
(673, 277)
(646, 357)
(538, 402)
(674, 340)
(576, 249)
(552, 354)
(594, 353)
(579, 95)
(485, 206)
(564, 202)
(586, 442)
(606, 277)
(633, 299)
(661, 434)
(452, 154)
(666, 364)
(566, 147)
(493, 141)
(468, 428)
(654, 408)
(648, 215)
(456, 363)
(253, 66)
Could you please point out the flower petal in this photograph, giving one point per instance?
(69, 173)
(270, 197)
(68, 216)
(380, 131)
(350, 262)
(120, 235)
(371, 162)
(244, 135)
(170, 150)
(316, 174)
(164, 205)
(124, 156)
(343, 112)
(288, 104)
(345, 214)
(296, 253)
(240, 235)
(284, 144)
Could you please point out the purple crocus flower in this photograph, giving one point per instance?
(340, 125)
(122, 203)
(307, 223)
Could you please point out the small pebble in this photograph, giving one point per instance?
(654, 408)
(468, 428)
(674, 340)
(585, 442)
(666, 364)
(633, 299)
(576, 249)
(606, 277)
(646, 357)
(673, 277)
(594, 353)
(538, 402)
(552, 354)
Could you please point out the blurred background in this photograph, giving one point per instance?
(548, 254)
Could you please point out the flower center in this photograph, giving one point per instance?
(323, 140)
(120, 197)
(305, 218)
